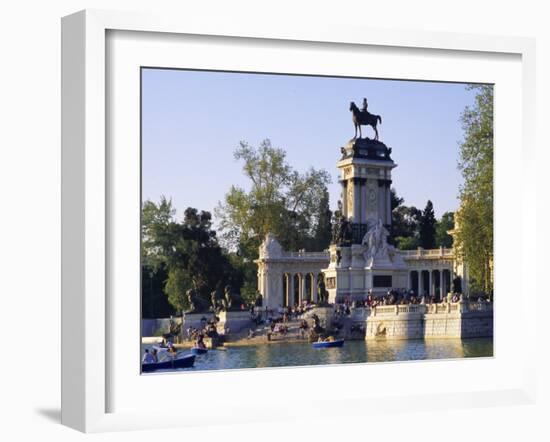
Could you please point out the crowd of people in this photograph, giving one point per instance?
(400, 297)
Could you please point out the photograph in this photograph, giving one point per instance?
(297, 220)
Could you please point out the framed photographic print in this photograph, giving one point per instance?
(248, 211)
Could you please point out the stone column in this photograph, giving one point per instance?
(420, 283)
(265, 287)
(357, 209)
(314, 288)
(430, 282)
(344, 198)
(302, 287)
(261, 282)
(388, 204)
(410, 282)
(292, 289)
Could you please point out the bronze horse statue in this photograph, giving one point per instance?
(364, 118)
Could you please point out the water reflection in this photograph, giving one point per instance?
(439, 349)
(301, 354)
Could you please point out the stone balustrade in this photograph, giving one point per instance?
(417, 321)
(421, 253)
(307, 255)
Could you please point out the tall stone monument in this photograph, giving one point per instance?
(360, 257)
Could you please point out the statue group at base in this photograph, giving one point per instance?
(197, 303)
(322, 294)
(342, 233)
(228, 301)
(376, 240)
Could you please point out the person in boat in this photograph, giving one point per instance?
(155, 355)
(200, 342)
(147, 357)
(171, 348)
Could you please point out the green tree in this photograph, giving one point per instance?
(406, 242)
(187, 252)
(323, 227)
(154, 302)
(155, 220)
(405, 222)
(474, 219)
(281, 201)
(426, 228)
(446, 223)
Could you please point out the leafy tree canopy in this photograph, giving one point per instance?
(446, 223)
(474, 219)
(291, 205)
(426, 228)
(187, 250)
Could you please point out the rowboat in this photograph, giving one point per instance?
(172, 364)
(328, 344)
(198, 350)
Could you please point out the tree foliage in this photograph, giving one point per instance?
(474, 219)
(442, 227)
(291, 205)
(405, 220)
(187, 251)
(426, 227)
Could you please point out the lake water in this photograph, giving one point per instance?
(299, 354)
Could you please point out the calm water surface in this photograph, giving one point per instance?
(296, 354)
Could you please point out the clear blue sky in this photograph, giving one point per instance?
(193, 121)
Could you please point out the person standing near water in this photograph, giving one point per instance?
(148, 357)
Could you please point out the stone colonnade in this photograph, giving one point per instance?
(290, 278)
(299, 287)
(430, 282)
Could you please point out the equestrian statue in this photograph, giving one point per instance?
(362, 117)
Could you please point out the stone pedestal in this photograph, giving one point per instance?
(352, 272)
(325, 315)
(235, 321)
(195, 320)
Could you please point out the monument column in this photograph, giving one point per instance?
(388, 203)
(302, 288)
(291, 300)
(421, 283)
(344, 198)
(314, 288)
(357, 208)
(363, 201)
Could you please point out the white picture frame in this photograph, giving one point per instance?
(87, 209)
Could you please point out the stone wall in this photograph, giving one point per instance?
(396, 322)
(155, 327)
(456, 320)
(235, 321)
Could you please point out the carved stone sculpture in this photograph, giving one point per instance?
(233, 300)
(376, 240)
(217, 301)
(197, 304)
(271, 248)
(259, 300)
(322, 294)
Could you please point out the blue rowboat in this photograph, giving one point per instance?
(182, 362)
(328, 344)
(198, 350)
